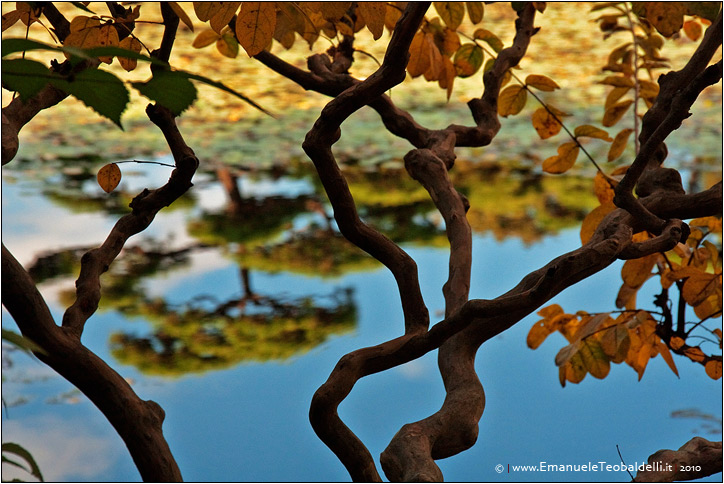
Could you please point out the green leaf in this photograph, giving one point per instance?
(451, 13)
(14, 45)
(16, 449)
(25, 76)
(170, 89)
(487, 36)
(468, 60)
(101, 91)
(224, 88)
(21, 342)
(707, 10)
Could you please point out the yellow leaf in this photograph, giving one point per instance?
(700, 286)
(626, 297)
(178, 10)
(223, 15)
(594, 359)
(107, 37)
(563, 161)
(590, 223)
(718, 334)
(692, 29)
(575, 369)
(618, 81)
(545, 124)
(637, 271)
(419, 55)
(255, 26)
(206, 37)
(615, 94)
(591, 132)
(476, 11)
(512, 100)
(615, 113)
(615, 343)
(451, 13)
(566, 353)
(619, 144)
(109, 177)
(537, 334)
(541, 82)
(648, 89)
(713, 369)
(9, 19)
(374, 16)
(283, 31)
(550, 311)
(84, 38)
(130, 43)
(227, 45)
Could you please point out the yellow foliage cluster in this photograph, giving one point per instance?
(635, 335)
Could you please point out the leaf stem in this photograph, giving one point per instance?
(145, 162)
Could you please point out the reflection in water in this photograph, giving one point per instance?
(271, 231)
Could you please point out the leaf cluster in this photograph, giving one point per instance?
(635, 335)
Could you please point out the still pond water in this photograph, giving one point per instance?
(231, 321)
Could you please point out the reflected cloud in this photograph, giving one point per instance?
(60, 447)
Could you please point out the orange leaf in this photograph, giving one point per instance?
(713, 369)
(618, 81)
(541, 82)
(676, 343)
(615, 113)
(512, 100)
(255, 26)
(109, 177)
(419, 61)
(692, 29)
(545, 124)
(602, 188)
(619, 144)
(205, 10)
(695, 354)
(667, 17)
(566, 158)
(666, 355)
(590, 223)
(447, 76)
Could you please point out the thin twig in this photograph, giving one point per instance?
(636, 78)
(622, 462)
